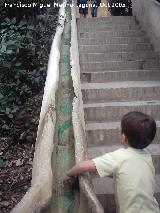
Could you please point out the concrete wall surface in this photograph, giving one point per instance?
(147, 12)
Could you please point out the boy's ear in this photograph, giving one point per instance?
(123, 139)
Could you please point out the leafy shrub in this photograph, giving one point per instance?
(10, 10)
(24, 51)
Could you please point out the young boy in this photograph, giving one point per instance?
(132, 165)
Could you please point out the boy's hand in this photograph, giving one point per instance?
(78, 169)
(67, 180)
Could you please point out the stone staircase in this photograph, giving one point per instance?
(120, 72)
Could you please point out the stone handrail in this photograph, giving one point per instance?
(92, 203)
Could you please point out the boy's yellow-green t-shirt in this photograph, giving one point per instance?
(134, 176)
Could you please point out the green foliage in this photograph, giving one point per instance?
(24, 50)
(1, 163)
(9, 9)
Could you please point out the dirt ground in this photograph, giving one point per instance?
(15, 176)
(16, 159)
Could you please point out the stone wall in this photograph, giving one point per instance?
(147, 12)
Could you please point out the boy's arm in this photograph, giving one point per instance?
(82, 167)
(78, 169)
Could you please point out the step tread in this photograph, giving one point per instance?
(93, 27)
(145, 61)
(115, 71)
(118, 37)
(114, 18)
(111, 34)
(140, 31)
(93, 152)
(107, 125)
(123, 61)
(122, 44)
(113, 47)
(122, 103)
(108, 28)
(119, 85)
(108, 24)
(120, 52)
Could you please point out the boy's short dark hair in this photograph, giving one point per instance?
(139, 128)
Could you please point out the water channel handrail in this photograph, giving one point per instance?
(78, 119)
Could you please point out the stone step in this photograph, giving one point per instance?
(107, 133)
(107, 20)
(121, 75)
(103, 27)
(124, 56)
(154, 149)
(111, 33)
(119, 65)
(120, 91)
(114, 48)
(105, 185)
(113, 40)
(114, 111)
(108, 201)
(94, 152)
(110, 19)
(109, 23)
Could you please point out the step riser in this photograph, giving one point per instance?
(114, 47)
(120, 94)
(93, 152)
(108, 203)
(104, 27)
(109, 19)
(119, 65)
(115, 113)
(106, 21)
(114, 40)
(91, 23)
(107, 137)
(107, 182)
(120, 76)
(106, 185)
(104, 34)
(128, 56)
